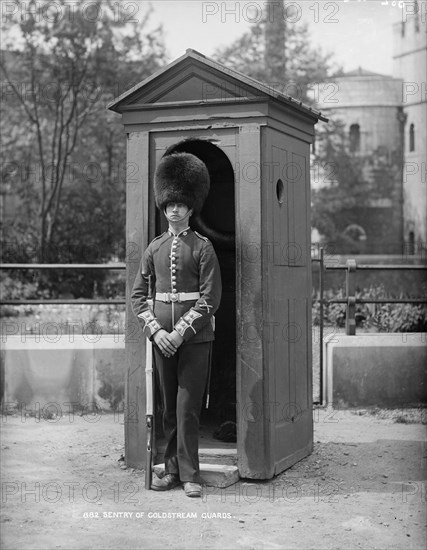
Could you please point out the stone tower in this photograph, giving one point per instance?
(410, 64)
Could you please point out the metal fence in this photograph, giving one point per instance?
(118, 266)
(351, 269)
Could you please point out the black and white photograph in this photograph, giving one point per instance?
(213, 274)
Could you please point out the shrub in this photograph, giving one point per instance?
(14, 288)
(383, 317)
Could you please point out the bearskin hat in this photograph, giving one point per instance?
(181, 177)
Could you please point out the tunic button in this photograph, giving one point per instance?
(173, 277)
(185, 233)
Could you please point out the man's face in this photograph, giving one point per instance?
(177, 211)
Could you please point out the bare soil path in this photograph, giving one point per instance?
(362, 487)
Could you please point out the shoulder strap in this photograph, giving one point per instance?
(159, 237)
(202, 237)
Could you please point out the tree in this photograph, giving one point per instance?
(275, 36)
(347, 186)
(68, 65)
(293, 64)
(340, 182)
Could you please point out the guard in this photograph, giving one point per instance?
(184, 271)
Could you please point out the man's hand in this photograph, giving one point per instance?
(176, 338)
(165, 342)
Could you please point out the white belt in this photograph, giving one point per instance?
(177, 296)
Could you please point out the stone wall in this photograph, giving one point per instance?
(79, 373)
(382, 370)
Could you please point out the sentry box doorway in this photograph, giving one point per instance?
(255, 143)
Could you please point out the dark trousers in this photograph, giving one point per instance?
(182, 384)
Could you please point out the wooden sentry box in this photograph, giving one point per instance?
(256, 145)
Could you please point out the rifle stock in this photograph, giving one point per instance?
(149, 412)
(149, 402)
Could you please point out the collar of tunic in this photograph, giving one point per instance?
(172, 234)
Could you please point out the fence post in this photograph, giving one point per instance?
(350, 283)
(321, 314)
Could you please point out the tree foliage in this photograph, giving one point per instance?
(341, 185)
(346, 186)
(278, 52)
(63, 157)
(304, 64)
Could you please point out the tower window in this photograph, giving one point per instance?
(411, 243)
(412, 137)
(354, 138)
(417, 21)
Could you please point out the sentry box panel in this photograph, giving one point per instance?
(255, 143)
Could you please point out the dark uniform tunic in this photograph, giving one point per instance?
(179, 266)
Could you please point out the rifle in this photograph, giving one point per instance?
(149, 403)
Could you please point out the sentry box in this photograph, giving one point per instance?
(255, 143)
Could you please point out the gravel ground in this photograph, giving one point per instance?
(362, 487)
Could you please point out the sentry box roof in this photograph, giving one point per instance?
(194, 79)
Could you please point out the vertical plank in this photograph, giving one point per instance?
(289, 359)
(299, 339)
(291, 327)
(251, 447)
(137, 169)
(300, 221)
(280, 209)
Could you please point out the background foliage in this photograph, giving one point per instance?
(63, 156)
(303, 67)
(380, 317)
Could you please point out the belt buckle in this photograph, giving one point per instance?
(173, 297)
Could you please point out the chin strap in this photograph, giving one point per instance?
(188, 215)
